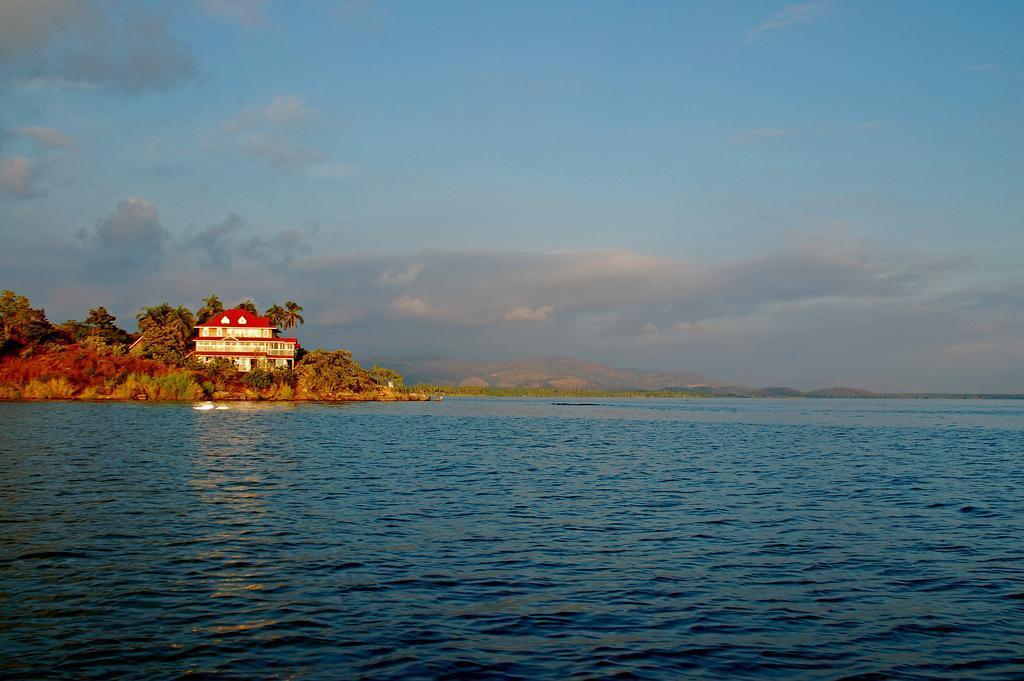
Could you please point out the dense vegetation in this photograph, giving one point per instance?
(95, 359)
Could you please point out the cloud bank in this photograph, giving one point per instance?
(124, 47)
(809, 314)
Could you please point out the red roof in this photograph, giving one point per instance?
(246, 339)
(239, 318)
(276, 354)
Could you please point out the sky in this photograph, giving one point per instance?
(822, 193)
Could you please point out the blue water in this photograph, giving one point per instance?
(823, 539)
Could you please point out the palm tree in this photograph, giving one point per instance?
(211, 306)
(166, 329)
(276, 314)
(248, 306)
(182, 325)
(292, 318)
(153, 317)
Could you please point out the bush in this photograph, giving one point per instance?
(220, 370)
(283, 392)
(177, 385)
(385, 376)
(328, 375)
(52, 389)
(259, 379)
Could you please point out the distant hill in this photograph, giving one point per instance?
(571, 374)
(564, 373)
(840, 392)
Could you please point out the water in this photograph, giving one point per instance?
(513, 538)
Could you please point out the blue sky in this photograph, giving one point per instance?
(810, 193)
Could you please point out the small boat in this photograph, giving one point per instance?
(204, 406)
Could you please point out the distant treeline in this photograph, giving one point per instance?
(828, 393)
(476, 391)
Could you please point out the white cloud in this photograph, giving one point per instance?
(281, 155)
(276, 134)
(401, 276)
(412, 306)
(615, 293)
(822, 312)
(283, 111)
(791, 15)
(530, 314)
(287, 110)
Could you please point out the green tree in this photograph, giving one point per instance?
(166, 332)
(101, 324)
(211, 306)
(21, 325)
(75, 330)
(276, 314)
(292, 318)
(259, 378)
(248, 306)
(328, 375)
(384, 376)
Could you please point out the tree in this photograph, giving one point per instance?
(248, 306)
(22, 325)
(100, 324)
(276, 314)
(75, 330)
(327, 375)
(99, 318)
(211, 306)
(166, 332)
(292, 318)
(384, 376)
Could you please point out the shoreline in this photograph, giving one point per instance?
(410, 397)
(457, 392)
(423, 397)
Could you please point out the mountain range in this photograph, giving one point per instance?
(564, 373)
(569, 373)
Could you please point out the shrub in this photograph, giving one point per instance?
(176, 385)
(259, 379)
(327, 375)
(52, 389)
(283, 392)
(385, 376)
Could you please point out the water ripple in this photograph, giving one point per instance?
(843, 539)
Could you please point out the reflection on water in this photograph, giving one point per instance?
(492, 538)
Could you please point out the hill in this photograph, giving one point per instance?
(564, 373)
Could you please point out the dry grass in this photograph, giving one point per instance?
(51, 389)
(174, 386)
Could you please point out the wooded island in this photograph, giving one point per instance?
(240, 357)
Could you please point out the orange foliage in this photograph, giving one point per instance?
(82, 367)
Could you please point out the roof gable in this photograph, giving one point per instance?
(238, 318)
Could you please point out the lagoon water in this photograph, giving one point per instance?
(655, 539)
